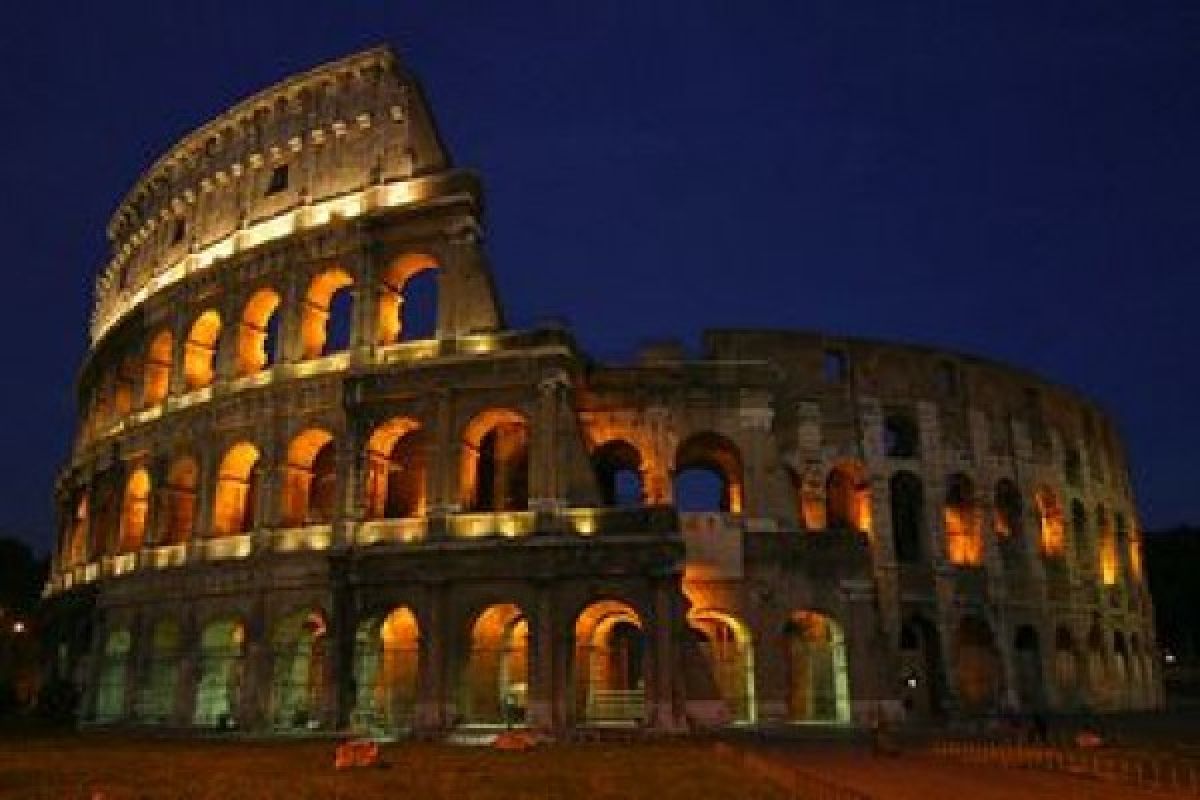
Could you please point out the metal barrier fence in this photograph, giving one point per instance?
(798, 783)
(1132, 769)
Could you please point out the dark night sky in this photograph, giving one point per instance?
(1016, 179)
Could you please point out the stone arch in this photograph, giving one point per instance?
(129, 369)
(156, 372)
(714, 455)
(1028, 656)
(728, 650)
(1008, 511)
(494, 687)
(1050, 515)
(160, 674)
(299, 671)
(200, 350)
(386, 661)
(610, 664)
(964, 540)
(619, 471)
(817, 668)
(112, 676)
(256, 332)
(922, 675)
(397, 469)
(848, 497)
(1107, 536)
(1066, 667)
(219, 674)
(317, 319)
(394, 287)
(310, 479)
(901, 436)
(236, 495)
(183, 477)
(135, 510)
(1097, 665)
(906, 497)
(810, 497)
(977, 665)
(494, 472)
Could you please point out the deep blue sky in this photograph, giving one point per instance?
(1017, 179)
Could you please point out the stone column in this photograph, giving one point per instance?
(433, 707)
(544, 494)
(257, 662)
(185, 685)
(542, 643)
(664, 701)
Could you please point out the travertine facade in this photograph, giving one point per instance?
(287, 509)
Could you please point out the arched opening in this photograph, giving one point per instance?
(1073, 467)
(128, 372)
(1108, 547)
(848, 498)
(325, 322)
(310, 480)
(397, 465)
(964, 542)
(978, 666)
(810, 498)
(385, 672)
(900, 436)
(495, 686)
(156, 375)
(818, 674)
(135, 508)
(610, 665)
(1066, 667)
(1007, 521)
(106, 524)
(1097, 666)
(495, 464)
(1029, 668)
(200, 350)
(156, 700)
(77, 549)
(235, 500)
(921, 671)
(180, 512)
(112, 676)
(728, 650)
(618, 468)
(708, 475)
(258, 332)
(219, 675)
(298, 672)
(1121, 669)
(1079, 532)
(407, 305)
(907, 499)
(1050, 512)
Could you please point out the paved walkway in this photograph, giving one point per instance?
(922, 777)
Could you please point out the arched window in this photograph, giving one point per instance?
(200, 350)
(310, 481)
(610, 663)
(134, 510)
(298, 656)
(495, 687)
(1108, 547)
(818, 685)
(900, 436)
(398, 461)
(182, 479)
(1008, 510)
(907, 499)
(618, 468)
(708, 474)
(848, 498)
(495, 464)
(725, 642)
(236, 495)
(156, 378)
(964, 543)
(326, 319)
(407, 305)
(386, 662)
(258, 332)
(1050, 512)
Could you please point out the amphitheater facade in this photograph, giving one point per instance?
(290, 506)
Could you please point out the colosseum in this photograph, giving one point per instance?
(295, 504)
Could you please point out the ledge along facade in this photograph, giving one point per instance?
(289, 507)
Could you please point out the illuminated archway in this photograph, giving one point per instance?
(1107, 535)
(618, 468)
(495, 463)
(708, 474)
(160, 675)
(610, 664)
(385, 672)
(219, 674)
(964, 540)
(236, 496)
(394, 317)
(128, 372)
(848, 498)
(135, 508)
(818, 680)
(200, 350)
(397, 466)
(255, 333)
(180, 513)
(298, 671)
(317, 320)
(1053, 533)
(977, 665)
(113, 676)
(495, 682)
(310, 479)
(156, 375)
(728, 649)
